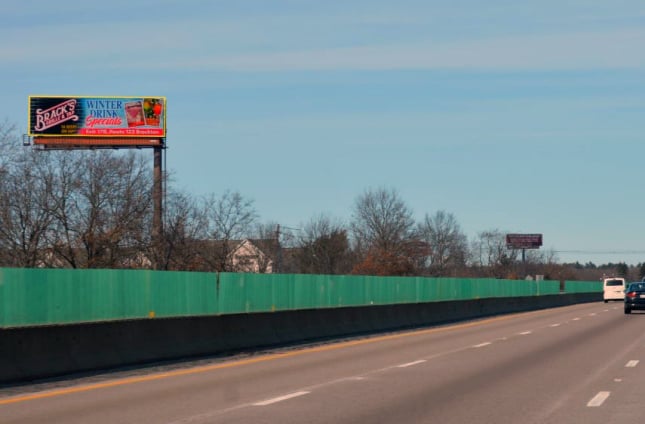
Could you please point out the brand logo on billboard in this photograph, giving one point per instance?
(56, 115)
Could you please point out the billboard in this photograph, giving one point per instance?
(523, 241)
(89, 117)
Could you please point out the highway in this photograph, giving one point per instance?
(576, 364)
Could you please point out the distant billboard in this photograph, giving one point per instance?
(88, 117)
(523, 241)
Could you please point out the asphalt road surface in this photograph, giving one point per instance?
(576, 364)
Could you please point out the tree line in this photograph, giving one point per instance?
(93, 209)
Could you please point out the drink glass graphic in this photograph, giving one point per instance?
(134, 114)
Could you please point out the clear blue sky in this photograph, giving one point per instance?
(517, 116)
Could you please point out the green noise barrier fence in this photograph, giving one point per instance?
(30, 297)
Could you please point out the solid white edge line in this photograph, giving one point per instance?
(632, 363)
(483, 344)
(281, 398)
(598, 400)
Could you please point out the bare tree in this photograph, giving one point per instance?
(381, 219)
(102, 204)
(448, 245)
(25, 210)
(490, 255)
(229, 218)
(64, 239)
(184, 224)
(323, 247)
(542, 262)
(382, 226)
(9, 145)
(73, 209)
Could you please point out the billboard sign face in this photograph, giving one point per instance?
(523, 241)
(88, 117)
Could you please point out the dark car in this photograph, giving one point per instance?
(634, 297)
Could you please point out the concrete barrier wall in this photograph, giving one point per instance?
(28, 353)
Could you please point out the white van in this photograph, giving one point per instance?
(613, 289)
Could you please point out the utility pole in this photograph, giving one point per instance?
(278, 258)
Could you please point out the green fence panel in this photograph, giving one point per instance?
(353, 291)
(231, 294)
(583, 286)
(515, 288)
(333, 291)
(59, 296)
(39, 296)
(389, 290)
(547, 287)
(246, 293)
(181, 293)
(440, 289)
(309, 292)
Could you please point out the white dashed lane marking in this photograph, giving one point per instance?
(598, 400)
(410, 364)
(281, 398)
(632, 363)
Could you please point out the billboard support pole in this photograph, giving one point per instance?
(157, 200)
